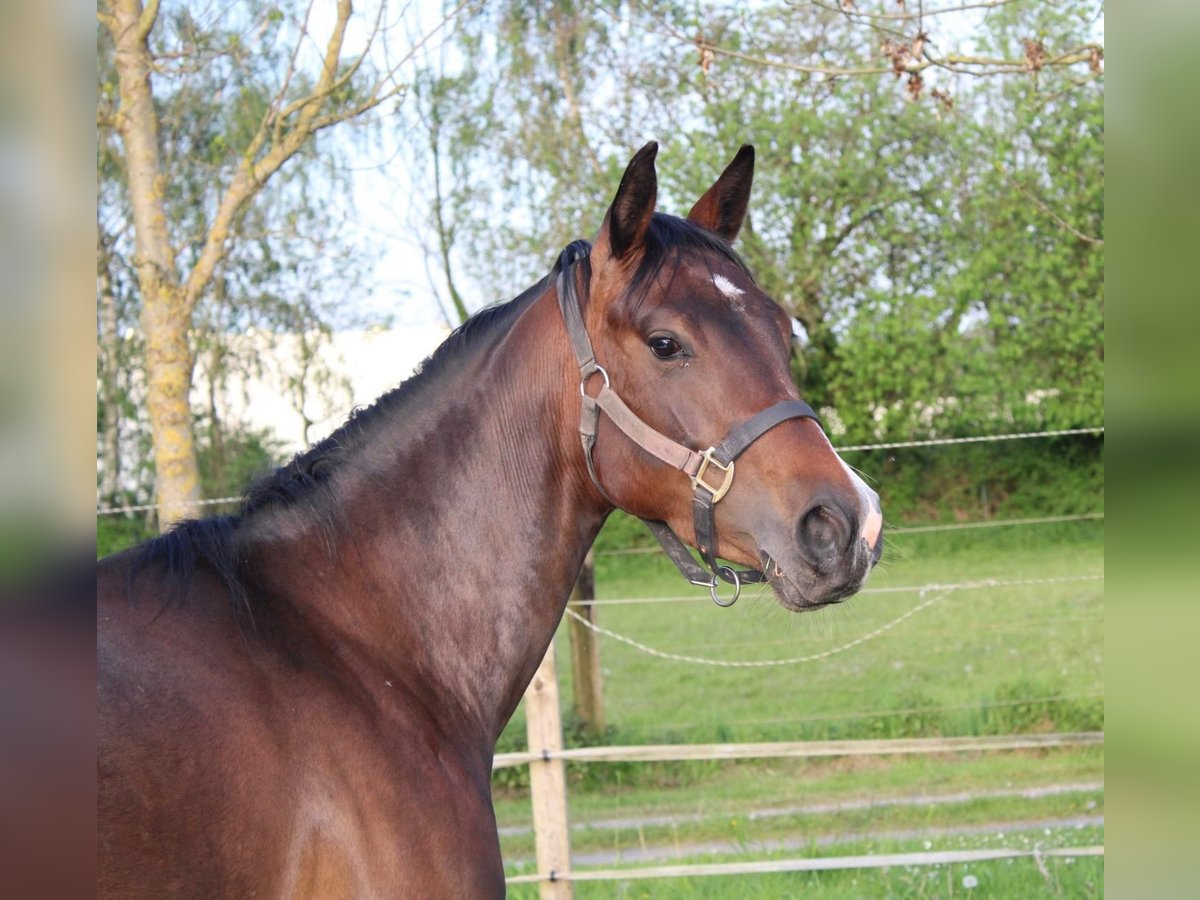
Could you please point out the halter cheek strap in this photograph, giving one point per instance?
(711, 471)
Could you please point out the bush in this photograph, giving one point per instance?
(955, 483)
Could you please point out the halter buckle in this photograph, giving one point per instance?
(707, 459)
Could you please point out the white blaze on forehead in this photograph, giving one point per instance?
(727, 287)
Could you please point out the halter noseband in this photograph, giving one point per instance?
(710, 471)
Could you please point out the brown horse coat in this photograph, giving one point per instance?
(302, 700)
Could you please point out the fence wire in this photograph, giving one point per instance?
(939, 591)
(932, 442)
(977, 439)
(901, 530)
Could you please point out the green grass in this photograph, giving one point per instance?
(735, 829)
(991, 661)
(718, 806)
(731, 788)
(998, 660)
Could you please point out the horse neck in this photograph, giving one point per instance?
(463, 522)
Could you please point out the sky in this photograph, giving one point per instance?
(402, 289)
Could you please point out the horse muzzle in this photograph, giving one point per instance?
(835, 545)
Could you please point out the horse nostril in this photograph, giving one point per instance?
(825, 532)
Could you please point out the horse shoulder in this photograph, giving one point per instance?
(254, 766)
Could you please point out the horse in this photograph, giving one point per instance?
(302, 699)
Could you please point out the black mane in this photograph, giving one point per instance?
(303, 483)
(668, 237)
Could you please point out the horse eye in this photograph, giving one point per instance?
(665, 347)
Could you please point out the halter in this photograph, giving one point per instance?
(710, 471)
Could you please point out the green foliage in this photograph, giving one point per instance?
(229, 462)
(117, 533)
(944, 257)
(977, 482)
(623, 532)
(941, 484)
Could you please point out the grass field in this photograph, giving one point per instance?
(996, 660)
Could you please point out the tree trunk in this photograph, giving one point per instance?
(110, 409)
(165, 314)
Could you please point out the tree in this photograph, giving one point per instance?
(1005, 332)
(901, 166)
(281, 95)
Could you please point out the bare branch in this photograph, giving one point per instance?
(272, 114)
(906, 14)
(146, 20)
(308, 104)
(252, 174)
(704, 46)
(970, 65)
(417, 45)
(976, 65)
(1062, 223)
(353, 68)
(254, 170)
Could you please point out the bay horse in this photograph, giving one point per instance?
(302, 699)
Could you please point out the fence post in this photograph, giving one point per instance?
(548, 781)
(585, 653)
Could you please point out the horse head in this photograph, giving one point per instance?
(692, 346)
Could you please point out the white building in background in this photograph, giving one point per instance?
(347, 369)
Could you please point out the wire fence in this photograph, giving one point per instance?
(888, 589)
(889, 445)
(917, 529)
(802, 749)
(1044, 710)
(975, 439)
(1028, 739)
(939, 591)
(147, 507)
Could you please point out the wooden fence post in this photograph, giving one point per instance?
(586, 679)
(548, 781)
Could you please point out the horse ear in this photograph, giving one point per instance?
(723, 206)
(627, 219)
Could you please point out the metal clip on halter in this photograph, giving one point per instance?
(732, 577)
(707, 459)
(583, 380)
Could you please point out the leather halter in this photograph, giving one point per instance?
(715, 463)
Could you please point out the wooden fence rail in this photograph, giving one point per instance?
(555, 876)
(800, 749)
(817, 864)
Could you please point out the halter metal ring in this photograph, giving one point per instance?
(585, 376)
(732, 577)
